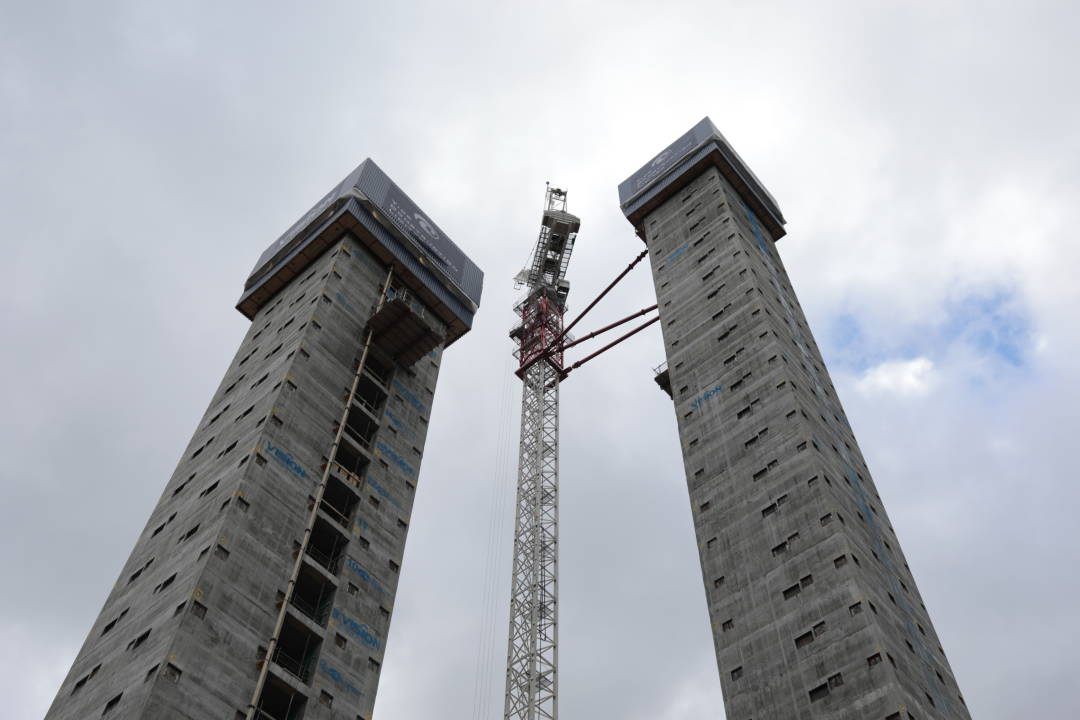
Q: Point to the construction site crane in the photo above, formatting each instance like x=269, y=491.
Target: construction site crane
x=533, y=648
x=532, y=656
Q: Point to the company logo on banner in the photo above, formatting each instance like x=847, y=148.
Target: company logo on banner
x=419, y=228
x=663, y=162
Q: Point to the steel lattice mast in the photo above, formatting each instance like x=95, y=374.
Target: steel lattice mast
x=533, y=646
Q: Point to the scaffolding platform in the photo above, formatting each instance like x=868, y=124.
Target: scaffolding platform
x=405, y=329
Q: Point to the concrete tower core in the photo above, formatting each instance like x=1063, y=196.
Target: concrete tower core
x=263, y=585
x=815, y=613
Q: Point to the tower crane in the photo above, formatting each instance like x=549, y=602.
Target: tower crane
x=533, y=646
x=532, y=656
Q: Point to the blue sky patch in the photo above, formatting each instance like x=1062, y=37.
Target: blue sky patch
x=992, y=323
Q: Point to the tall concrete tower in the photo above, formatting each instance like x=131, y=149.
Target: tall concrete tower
x=263, y=585
x=814, y=610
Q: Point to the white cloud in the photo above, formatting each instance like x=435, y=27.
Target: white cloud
x=905, y=378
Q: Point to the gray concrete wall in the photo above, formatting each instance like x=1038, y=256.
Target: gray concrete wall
x=814, y=610
x=223, y=535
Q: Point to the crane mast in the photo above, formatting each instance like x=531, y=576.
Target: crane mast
x=533, y=646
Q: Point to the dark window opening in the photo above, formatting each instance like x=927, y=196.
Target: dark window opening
x=351, y=461
x=297, y=649
x=378, y=369
x=339, y=501
x=360, y=428
x=313, y=595
x=279, y=702
x=112, y=623
x=369, y=395
x=188, y=534
x=139, y=640
x=180, y=488
x=220, y=413
x=111, y=705
x=199, y=451
x=326, y=546
x=85, y=678
x=165, y=583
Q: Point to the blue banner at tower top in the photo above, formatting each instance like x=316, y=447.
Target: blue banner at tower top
x=393, y=209
x=702, y=143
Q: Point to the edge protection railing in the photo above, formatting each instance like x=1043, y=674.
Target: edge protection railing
x=297, y=667
x=328, y=561
x=319, y=612
x=338, y=516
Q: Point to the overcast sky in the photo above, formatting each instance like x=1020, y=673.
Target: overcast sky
x=924, y=153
